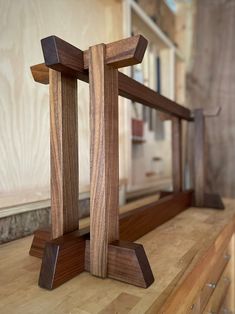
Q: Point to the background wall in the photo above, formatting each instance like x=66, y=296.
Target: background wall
x=211, y=82
x=24, y=104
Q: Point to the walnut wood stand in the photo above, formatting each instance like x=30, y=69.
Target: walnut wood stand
x=106, y=249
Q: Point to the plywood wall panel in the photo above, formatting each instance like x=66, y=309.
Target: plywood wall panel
x=24, y=105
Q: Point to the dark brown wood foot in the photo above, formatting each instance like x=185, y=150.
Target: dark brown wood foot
x=68, y=256
x=127, y=262
x=41, y=236
x=212, y=201
x=63, y=259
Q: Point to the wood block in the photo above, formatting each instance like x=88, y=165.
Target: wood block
x=211, y=200
x=64, y=153
x=63, y=57
x=40, y=73
x=40, y=238
x=68, y=256
x=121, y=53
x=63, y=259
x=127, y=262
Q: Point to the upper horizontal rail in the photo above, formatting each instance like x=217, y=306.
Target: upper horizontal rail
x=131, y=89
x=128, y=88
x=57, y=54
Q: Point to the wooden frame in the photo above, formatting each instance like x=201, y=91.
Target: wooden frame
x=66, y=251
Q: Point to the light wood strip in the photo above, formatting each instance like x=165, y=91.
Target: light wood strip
x=104, y=158
x=64, y=153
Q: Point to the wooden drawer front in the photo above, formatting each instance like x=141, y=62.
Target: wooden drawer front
x=213, y=279
x=217, y=299
x=211, y=283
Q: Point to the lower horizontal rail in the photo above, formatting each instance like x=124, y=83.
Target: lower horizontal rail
x=137, y=222
x=133, y=224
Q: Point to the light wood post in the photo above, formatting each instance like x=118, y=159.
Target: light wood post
x=199, y=157
x=104, y=158
x=64, y=153
x=176, y=154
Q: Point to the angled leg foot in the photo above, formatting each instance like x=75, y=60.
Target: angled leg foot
x=212, y=200
x=127, y=262
x=63, y=259
x=68, y=256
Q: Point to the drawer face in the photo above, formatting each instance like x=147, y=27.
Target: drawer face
x=213, y=279
x=211, y=283
x=217, y=299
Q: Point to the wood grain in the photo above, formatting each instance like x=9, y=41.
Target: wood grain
x=24, y=118
x=128, y=87
x=104, y=158
x=64, y=153
x=40, y=73
x=213, y=279
x=63, y=259
x=199, y=157
x=196, y=276
x=179, y=275
x=127, y=262
x=216, y=301
x=176, y=154
x=122, y=304
x=210, y=83
x=69, y=255
x=138, y=92
x=124, y=52
x=40, y=238
x=43, y=235
x=138, y=221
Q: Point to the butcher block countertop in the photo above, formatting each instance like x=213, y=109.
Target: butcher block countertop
x=181, y=252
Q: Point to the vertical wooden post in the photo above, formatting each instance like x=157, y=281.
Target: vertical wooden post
x=64, y=153
x=199, y=157
x=176, y=154
x=104, y=217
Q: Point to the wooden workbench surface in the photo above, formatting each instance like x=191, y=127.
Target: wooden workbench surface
x=174, y=250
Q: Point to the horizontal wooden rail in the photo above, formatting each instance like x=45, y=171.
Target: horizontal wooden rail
x=57, y=54
x=133, y=90
x=134, y=223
